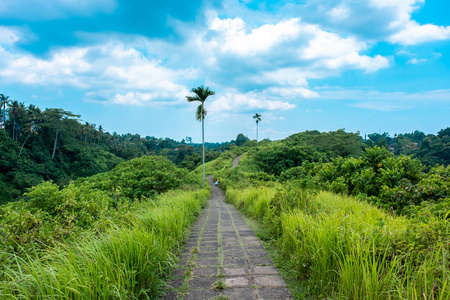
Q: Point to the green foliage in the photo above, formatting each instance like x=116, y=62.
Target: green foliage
x=340, y=247
x=143, y=176
x=129, y=260
x=333, y=143
x=392, y=182
x=278, y=158
x=241, y=140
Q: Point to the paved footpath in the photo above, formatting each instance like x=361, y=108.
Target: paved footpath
x=223, y=259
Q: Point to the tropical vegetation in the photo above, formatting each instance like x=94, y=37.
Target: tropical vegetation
x=91, y=215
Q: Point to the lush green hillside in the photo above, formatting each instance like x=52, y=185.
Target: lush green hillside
x=391, y=241
x=52, y=144
x=112, y=235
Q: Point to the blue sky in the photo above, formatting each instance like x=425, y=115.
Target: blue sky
x=367, y=66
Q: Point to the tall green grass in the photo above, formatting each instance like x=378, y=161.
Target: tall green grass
x=128, y=262
x=347, y=249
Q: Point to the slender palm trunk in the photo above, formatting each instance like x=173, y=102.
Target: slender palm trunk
x=203, y=142
x=14, y=129
x=20, y=152
x=256, y=132
x=1, y=117
x=56, y=141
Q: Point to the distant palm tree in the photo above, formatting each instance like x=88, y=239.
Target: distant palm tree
x=201, y=93
x=3, y=101
x=258, y=119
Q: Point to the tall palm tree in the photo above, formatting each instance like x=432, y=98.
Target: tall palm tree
x=258, y=119
x=201, y=93
x=3, y=101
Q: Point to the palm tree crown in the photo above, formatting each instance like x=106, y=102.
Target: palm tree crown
x=201, y=93
x=4, y=100
x=257, y=117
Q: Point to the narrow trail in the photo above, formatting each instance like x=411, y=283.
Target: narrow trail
x=236, y=161
x=223, y=257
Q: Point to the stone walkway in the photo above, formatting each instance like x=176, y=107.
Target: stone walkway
x=223, y=259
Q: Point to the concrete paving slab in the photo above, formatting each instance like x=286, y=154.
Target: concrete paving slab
x=209, y=254
x=234, y=282
x=261, y=261
x=205, y=271
x=178, y=272
x=202, y=294
x=257, y=253
x=240, y=294
x=202, y=282
x=234, y=254
x=269, y=281
x=264, y=270
x=230, y=272
x=207, y=262
x=172, y=295
x=231, y=247
x=272, y=294
x=177, y=283
x=239, y=261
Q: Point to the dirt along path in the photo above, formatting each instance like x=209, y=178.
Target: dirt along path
x=224, y=259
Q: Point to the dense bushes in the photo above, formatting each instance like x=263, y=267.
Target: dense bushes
x=110, y=235
x=278, y=158
x=129, y=260
x=144, y=176
x=47, y=214
x=393, y=182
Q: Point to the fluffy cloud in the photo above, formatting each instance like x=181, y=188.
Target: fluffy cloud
x=233, y=37
x=326, y=45
x=60, y=69
x=111, y=67
x=235, y=101
x=163, y=97
x=414, y=34
x=355, y=61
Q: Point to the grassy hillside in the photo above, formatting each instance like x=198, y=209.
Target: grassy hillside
x=389, y=242
x=113, y=235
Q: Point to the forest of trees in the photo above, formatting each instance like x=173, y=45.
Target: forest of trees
x=53, y=144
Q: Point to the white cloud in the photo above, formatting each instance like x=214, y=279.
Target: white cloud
x=414, y=34
x=291, y=92
x=235, y=101
x=233, y=37
x=335, y=52
x=60, y=69
x=415, y=61
x=8, y=35
x=112, y=67
x=326, y=44
x=340, y=12
x=355, y=61
x=286, y=76
x=155, y=98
